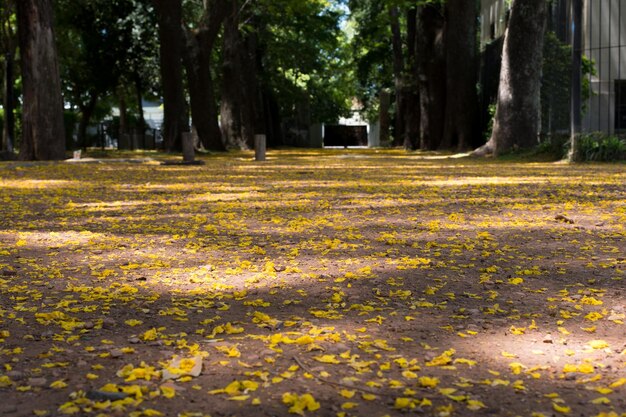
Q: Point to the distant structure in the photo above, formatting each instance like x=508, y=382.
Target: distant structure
x=604, y=43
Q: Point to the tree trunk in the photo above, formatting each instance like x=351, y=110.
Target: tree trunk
x=271, y=114
x=197, y=53
x=201, y=93
x=461, y=66
x=399, y=76
x=43, y=132
x=412, y=98
x=517, y=118
x=383, y=116
x=8, y=104
x=231, y=97
x=139, y=96
x=254, y=98
x=432, y=75
x=86, y=111
x=123, y=128
x=250, y=102
x=175, y=113
x=140, y=130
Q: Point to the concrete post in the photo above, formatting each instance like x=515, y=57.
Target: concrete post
x=259, y=147
x=188, y=150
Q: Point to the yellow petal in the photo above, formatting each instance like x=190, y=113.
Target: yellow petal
x=239, y=398
x=347, y=393
x=598, y=344
x=327, y=359
x=563, y=409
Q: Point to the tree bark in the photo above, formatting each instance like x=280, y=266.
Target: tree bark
x=249, y=79
x=8, y=43
x=383, y=116
x=517, y=118
x=231, y=102
x=123, y=128
x=175, y=112
x=412, y=98
x=201, y=91
x=139, y=95
x=198, y=49
x=399, y=76
x=86, y=112
x=43, y=132
x=432, y=75
x=461, y=67
x=8, y=104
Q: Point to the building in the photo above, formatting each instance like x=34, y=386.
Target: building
x=604, y=44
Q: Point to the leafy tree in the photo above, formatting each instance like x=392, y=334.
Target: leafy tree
x=432, y=45
x=43, y=133
x=315, y=77
x=264, y=84
x=371, y=46
x=106, y=44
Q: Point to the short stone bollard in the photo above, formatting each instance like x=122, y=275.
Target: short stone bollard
x=259, y=147
x=188, y=149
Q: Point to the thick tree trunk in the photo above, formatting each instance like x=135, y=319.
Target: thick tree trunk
x=432, y=75
x=271, y=114
x=8, y=104
x=461, y=66
x=517, y=118
x=201, y=90
x=412, y=98
x=43, y=132
x=399, y=76
x=231, y=87
x=254, y=98
x=197, y=54
x=175, y=117
x=250, y=102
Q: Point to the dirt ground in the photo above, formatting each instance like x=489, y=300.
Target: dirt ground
x=319, y=283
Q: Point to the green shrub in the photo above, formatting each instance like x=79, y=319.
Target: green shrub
x=553, y=146
x=598, y=147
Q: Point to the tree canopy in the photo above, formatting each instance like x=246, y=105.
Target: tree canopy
x=229, y=69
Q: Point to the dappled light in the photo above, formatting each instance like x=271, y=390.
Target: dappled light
x=327, y=282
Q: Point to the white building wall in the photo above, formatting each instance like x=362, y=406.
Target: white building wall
x=604, y=42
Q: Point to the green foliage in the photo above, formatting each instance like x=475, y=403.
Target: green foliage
x=372, y=50
x=492, y=114
x=553, y=147
x=305, y=56
x=556, y=84
x=103, y=43
x=592, y=147
x=598, y=147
